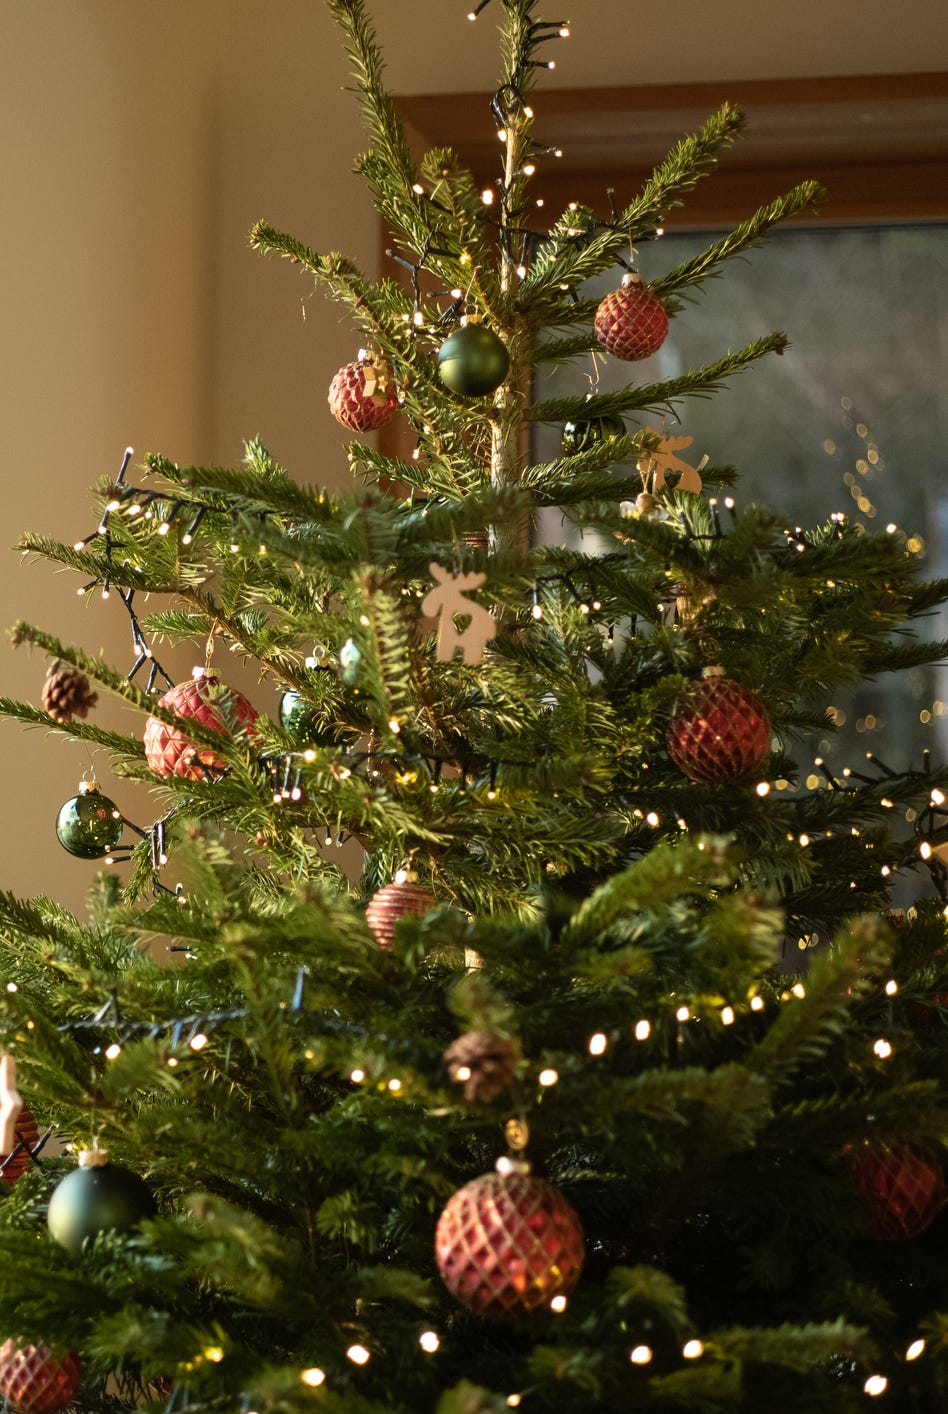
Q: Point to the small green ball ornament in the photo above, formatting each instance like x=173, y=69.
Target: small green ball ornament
x=298, y=717
x=98, y=1196
x=89, y=825
x=582, y=435
x=473, y=361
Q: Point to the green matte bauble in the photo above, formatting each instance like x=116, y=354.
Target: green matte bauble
x=581, y=435
x=89, y=825
x=473, y=361
x=298, y=717
x=97, y=1198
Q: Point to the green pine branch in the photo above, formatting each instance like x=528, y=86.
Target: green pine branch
x=656, y=397
x=381, y=117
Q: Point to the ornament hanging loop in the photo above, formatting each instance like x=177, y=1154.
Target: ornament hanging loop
x=209, y=647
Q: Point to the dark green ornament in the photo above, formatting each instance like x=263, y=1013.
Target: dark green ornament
x=299, y=718
x=89, y=825
x=97, y=1197
x=582, y=434
x=473, y=361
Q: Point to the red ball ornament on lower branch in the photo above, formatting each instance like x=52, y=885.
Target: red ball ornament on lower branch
x=207, y=701
x=26, y=1137
x=901, y=1187
x=35, y=1381
x=508, y=1243
x=362, y=395
x=631, y=322
x=719, y=731
x=403, y=897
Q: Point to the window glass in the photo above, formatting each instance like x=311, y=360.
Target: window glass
x=852, y=418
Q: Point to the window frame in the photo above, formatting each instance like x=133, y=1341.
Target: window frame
x=877, y=143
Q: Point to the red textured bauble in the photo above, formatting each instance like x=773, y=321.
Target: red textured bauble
x=902, y=1187
x=204, y=699
x=631, y=322
x=27, y=1131
x=35, y=1381
x=362, y=395
x=394, y=901
x=719, y=732
x=507, y=1243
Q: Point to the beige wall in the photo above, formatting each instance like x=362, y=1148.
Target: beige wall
x=139, y=143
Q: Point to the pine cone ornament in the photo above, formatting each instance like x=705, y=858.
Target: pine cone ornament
x=394, y=901
x=719, y=731
x=67, y=692
x=901, y=1186
x=507, y=1243
x=484, y=1063
x=35, y=1381
x=27, y=1132
x=362, y=395
x=631, y=322
x=203, y=699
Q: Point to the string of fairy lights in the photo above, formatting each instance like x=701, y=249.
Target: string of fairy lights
x=191, y=1034
x=286, y=769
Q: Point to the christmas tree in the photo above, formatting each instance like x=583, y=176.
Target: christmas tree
x=616, y=1081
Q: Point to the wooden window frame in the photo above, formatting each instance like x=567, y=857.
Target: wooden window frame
x=878, y=144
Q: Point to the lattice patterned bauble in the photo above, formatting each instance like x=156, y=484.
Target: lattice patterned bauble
x=27, y=1132
x=203, y=699
x=35, y=1381
x=396, y=900
x=507, y=1243
x=631, y=322
x=67, y=693
x=719, y=731
x=362, y=395
x=902, y=1187
x=483, y=1063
